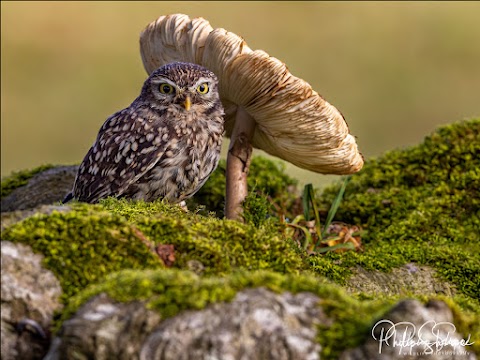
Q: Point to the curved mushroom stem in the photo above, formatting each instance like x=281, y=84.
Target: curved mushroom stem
x=238, y=163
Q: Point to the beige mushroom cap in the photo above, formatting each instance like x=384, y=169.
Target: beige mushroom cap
x=173, y=38
x=293, y=122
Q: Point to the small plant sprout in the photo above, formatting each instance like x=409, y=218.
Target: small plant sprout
x=333, y=236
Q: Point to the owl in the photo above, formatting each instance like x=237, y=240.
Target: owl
x=164, y=145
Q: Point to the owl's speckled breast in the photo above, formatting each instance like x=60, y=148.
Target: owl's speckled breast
x=191, y=156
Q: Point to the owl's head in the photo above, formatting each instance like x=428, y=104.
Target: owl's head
x=183, y=85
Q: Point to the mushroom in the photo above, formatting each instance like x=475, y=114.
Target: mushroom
x=266, y=106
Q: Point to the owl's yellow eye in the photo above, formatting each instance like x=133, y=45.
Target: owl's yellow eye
x=202, y=88
x=166, y=88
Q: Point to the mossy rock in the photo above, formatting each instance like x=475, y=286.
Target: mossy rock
x=46, y=184
x=169, y=292
x=419, y=205
x=82, y=245
x=20, y=178
x=90, y=241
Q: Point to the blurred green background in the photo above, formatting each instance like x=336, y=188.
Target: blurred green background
x=396, y=70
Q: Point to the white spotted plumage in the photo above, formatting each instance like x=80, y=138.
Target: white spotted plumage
x=157, y=147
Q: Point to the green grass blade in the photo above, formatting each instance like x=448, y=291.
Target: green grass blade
x=306, y=198
x=334, y=207
x=309, y=203
x=318, y=226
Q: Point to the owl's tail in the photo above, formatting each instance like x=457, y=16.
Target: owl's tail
x=67, y=198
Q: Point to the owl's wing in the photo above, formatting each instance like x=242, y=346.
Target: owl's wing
x=128, y=145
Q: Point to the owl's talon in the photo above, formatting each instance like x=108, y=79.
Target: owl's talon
x=183, y=206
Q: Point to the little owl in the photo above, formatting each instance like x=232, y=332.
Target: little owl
x=164, y=145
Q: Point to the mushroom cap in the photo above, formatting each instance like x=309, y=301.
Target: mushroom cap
x=173, y=38
x=293, y=122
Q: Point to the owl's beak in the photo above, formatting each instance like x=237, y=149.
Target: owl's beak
x=187, y=103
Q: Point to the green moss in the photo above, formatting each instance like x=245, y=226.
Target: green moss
x=134, y=211
x=466, y=317
x=353, y=321
x=219, y=245
x=83, y=245
x=222, y=246
x=418, y=205
x=256, y=209
x=20, y=178
x=266, y=176
x=269, y=177
x=90, y=241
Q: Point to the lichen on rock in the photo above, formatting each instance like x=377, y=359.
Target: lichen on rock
x=30, y=295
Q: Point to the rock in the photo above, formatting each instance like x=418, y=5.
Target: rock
x=104, y=329
x=408, y=279
x=411, y=330
x=30, y=295
x=257, y=324
x=47, y=187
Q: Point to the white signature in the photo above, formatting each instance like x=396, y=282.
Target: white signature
x=432, y=336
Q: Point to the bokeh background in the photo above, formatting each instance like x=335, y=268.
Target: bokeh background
x=396, y=70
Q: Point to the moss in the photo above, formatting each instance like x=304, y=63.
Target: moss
x=219, y=245
x=256, y=209
x=90, y=241
x=222, y=246
x=171, y=291
x=353, y=320
x=133, y=211
x=20, y=178
x=466, y=317
x=83, y=245
x=266, y=176
x=420, y=205
x=269, y=177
